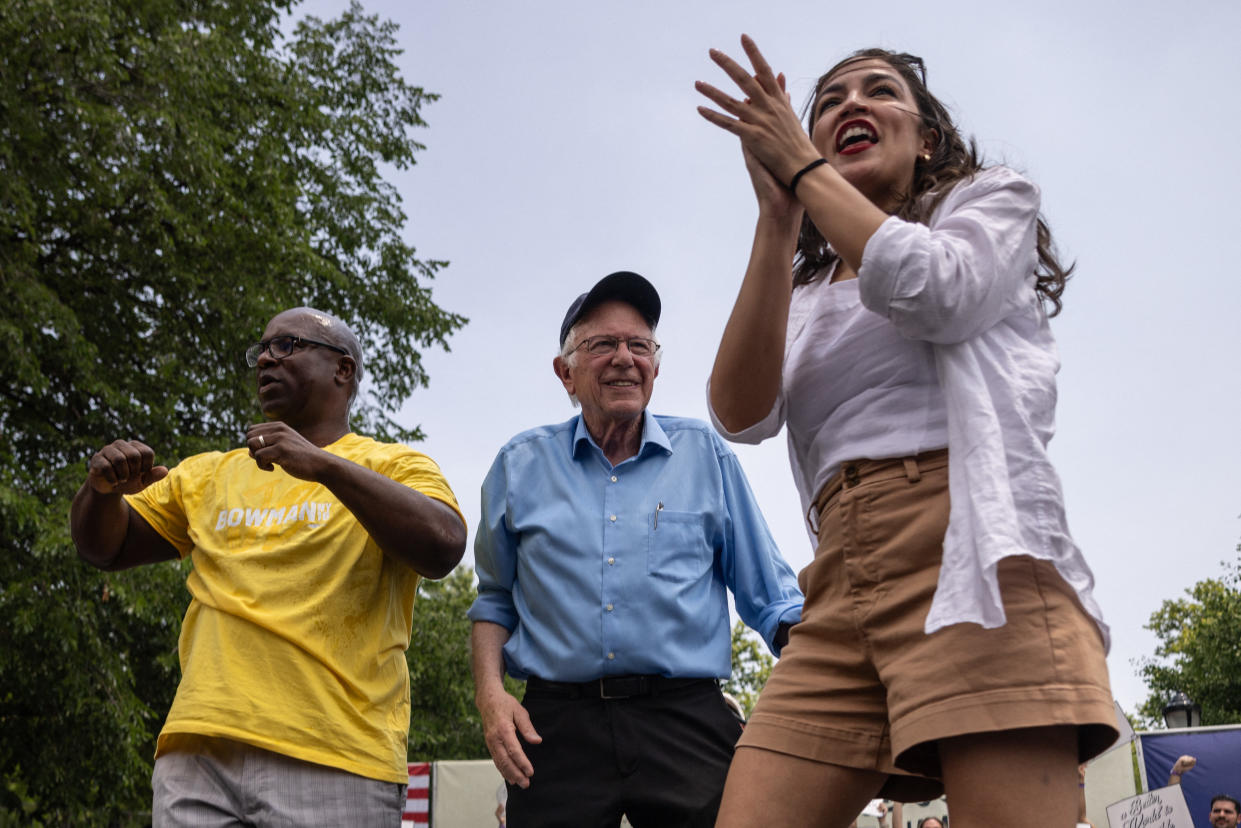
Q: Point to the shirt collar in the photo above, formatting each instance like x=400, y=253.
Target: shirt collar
x=653, y=436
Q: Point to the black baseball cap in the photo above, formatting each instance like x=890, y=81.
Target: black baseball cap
x=622, y=286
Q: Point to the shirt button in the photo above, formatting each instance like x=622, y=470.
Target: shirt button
x=611, y=656
x=609, y=607
x=611, y=561
x=613, y=478
x=612, y=518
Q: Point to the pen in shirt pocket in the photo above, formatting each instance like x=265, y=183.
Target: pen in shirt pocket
x=658, y=509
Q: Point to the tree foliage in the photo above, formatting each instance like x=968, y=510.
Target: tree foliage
x=172, y=173
x=443, y=722
x=1199, y=650
x=751, y=663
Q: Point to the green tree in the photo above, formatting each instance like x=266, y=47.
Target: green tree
x=751, y=663
x=172, y=173
x=444, y=723
x=1199, y=650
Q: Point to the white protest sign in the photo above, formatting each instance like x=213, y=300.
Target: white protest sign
x=872, y=808
x=1122, y=724
x=1160, y=808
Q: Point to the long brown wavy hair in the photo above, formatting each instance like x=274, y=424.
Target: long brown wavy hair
x=952, y=160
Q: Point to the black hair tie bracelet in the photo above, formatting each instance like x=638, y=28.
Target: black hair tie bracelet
x=797, y=176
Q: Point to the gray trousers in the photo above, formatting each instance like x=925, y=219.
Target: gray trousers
x=230, y=784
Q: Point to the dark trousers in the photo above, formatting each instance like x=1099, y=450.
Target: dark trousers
x=658, y=759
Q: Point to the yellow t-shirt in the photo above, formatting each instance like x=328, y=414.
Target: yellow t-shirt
x=295, y=636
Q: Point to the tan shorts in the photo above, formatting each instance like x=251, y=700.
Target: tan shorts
x=860, y=684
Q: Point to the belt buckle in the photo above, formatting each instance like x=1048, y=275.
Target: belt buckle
x=630, y=680
x=603, y=690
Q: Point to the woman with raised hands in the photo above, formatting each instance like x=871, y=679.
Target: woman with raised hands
x=893, y=316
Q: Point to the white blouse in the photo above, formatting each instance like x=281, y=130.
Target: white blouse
x=960, y=293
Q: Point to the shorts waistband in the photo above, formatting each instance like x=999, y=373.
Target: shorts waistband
x=611, y=687
x=855, y=472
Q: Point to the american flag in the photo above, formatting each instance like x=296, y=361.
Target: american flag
x=418, y=796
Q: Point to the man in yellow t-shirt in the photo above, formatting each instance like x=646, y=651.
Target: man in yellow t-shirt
x=307, y=547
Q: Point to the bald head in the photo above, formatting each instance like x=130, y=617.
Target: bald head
x=332, y=330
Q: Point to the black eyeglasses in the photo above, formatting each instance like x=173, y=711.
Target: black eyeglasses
x=281, y=346
x=639, y=346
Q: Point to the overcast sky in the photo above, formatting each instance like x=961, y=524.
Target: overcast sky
x=566, y=145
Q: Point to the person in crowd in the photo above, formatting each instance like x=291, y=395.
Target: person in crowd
x=1182, y=766
x=1224, y=811
x=1082, y=820
x=894, y=319
x=307, y=543
x=605, y=551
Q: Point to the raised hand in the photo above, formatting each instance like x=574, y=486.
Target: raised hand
x=107, y=533
x=123, y=467
x=764, y=119
x=274, y=444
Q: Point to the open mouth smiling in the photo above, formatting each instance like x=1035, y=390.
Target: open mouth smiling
x=855, y=136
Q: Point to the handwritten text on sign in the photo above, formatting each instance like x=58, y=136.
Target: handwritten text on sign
x=1161, y=808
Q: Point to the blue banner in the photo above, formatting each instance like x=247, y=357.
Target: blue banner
x=1218, y=770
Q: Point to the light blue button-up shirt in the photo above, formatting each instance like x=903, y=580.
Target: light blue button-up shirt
x=602, y=570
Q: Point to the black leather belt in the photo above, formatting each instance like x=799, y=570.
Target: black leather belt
x=611, y=687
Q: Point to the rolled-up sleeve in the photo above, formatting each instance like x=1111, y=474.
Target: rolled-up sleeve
x=764, y=586
x=970, y=268
x=769, y=426
x=495, y=553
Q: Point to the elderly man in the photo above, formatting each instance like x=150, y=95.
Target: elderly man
x=604, y=553
x=307, y=544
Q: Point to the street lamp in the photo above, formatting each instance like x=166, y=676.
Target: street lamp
x=1181, y=711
